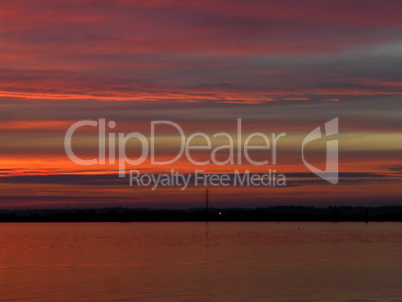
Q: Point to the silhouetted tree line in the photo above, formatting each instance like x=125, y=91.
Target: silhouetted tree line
x=278, y=213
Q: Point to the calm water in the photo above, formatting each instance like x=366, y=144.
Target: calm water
x=200, y=262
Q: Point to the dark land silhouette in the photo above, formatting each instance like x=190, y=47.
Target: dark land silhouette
x=275, y=213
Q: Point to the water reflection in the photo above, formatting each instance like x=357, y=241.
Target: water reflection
x=201, y=261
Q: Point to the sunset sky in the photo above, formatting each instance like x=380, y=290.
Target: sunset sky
x=280, y=66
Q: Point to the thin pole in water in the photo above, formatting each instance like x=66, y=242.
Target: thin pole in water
x=206, y=203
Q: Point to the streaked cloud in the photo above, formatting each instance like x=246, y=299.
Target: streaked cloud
x=280, y=65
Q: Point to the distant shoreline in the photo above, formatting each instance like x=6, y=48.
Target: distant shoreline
x=275, y=214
